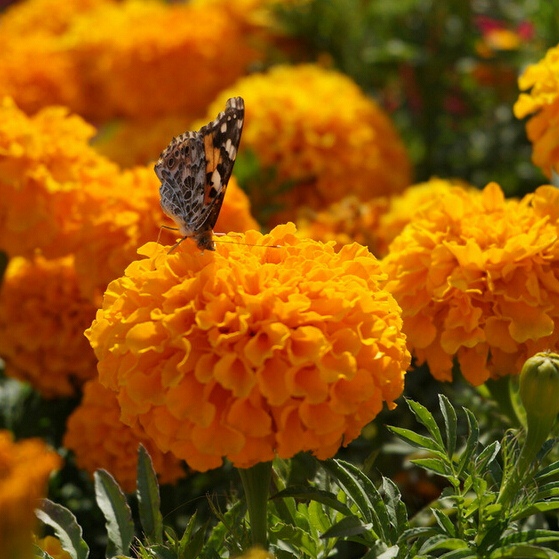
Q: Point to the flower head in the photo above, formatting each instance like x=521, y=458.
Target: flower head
x=42, y=319
x=476, y=276
x=47, y=171
x=107, y=59
x=24, y=470
x=251, y=350
x=100, y=440
x=543, y=103
x=318, y=131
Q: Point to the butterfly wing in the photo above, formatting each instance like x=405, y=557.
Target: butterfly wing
x=221, y=143
x=182, y=173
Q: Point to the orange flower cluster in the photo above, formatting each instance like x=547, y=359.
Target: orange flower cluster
x=99, y=439
x=543, y=103
x=104, y=58
x=42, y=319
x=24, y=470
x=347, y=221
x=319, y=133
x=477, y=278
x=47, y=170
x=375, y=222
x=273, y=347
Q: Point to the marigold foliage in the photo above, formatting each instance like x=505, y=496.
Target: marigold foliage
x=42, y=319
x=543, y=103
x=250, y=351
x=477, y=278
x=321, y=134
x=99, y=439
x=108, y=59
x=24, y=470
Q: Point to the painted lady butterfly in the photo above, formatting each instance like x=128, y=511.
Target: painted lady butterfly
x=194, y=170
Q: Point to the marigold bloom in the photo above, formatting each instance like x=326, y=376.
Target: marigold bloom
x=46, y=172
x=42, y=319
x=24, y=470
x=99, y=439
x=249, y=351
x=318, y=131
x=347, y=221
x=122, y=59
x=542, y=102
x=375, y=222
x=477, y=278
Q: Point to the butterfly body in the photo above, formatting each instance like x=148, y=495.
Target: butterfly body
x=194, y=170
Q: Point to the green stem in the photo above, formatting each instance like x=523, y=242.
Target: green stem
x=256, y=483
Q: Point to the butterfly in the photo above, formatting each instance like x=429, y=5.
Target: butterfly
x=194, y=170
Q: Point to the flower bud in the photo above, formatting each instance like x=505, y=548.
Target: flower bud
x=539, y=388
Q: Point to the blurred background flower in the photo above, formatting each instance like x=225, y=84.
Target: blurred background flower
x=98, y=439
x=25, y=467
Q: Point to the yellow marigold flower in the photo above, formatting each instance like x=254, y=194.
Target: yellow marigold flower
x=347, y=221
x=24, y=470
x=122, y=59
x=319, y=131
x=404, y=206
x=99, y=439
x=53, y=547
x=42, y=319
x=375, y=222
x=476, y=276
x=542, y=102
x=46, y=169
x=250, y=351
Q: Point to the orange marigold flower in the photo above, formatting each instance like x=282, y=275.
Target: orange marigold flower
x=99, y=439
x=42, y=319
x=315, y=128
x=24, y=470
x=477, y=278
x=347, y=221
x=46, y=169
x=123, y=59
x=250, y=351
x=542, y=102
x=375, y=222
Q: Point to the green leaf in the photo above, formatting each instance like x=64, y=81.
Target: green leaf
x=66, y=528
x=118, y=517
x=549, y=471
x=486, y=456
x=450, y=423
x=347, y=527
x=524, y=550
x=149, y=501
x=435, y=465
x=418, y=441
x=305, y=493
x=425, y=417
x=548, y=490
x=444, y=522
x=396, y=509
x=349, y=478
x=471, y=442
x=440, y=542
